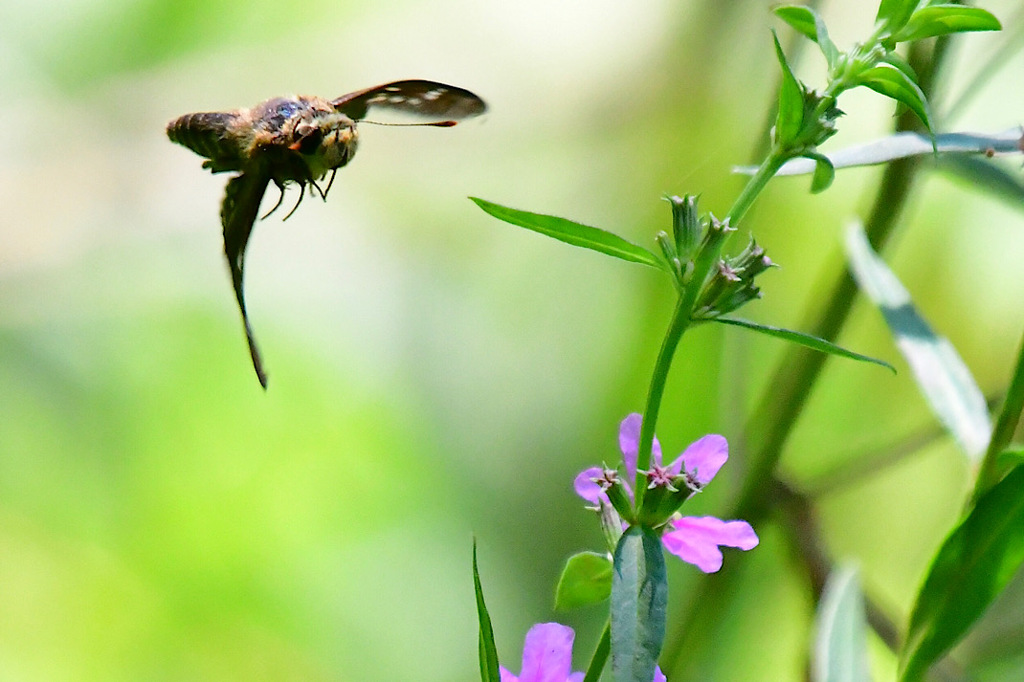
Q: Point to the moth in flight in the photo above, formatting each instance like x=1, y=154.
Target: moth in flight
x=299, y=140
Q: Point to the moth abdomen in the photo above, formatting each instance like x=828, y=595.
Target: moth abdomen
x=208, y=134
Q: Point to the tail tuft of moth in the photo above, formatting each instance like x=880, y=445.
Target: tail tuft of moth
x=209, y=135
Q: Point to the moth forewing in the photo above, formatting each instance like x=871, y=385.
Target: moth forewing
x=419, y=99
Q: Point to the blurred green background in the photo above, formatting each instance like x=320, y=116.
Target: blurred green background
x=434, y=374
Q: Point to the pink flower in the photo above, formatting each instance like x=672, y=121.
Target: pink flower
x=547, y=656
x=695, y=540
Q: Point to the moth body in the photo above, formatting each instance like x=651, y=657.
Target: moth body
x=298, y=139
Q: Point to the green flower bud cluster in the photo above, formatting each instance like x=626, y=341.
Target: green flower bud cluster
x=730, y=283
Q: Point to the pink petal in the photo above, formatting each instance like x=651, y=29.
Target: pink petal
x=706, y=456
x=629, y=444
x=658, y=675
x=586, y=488
x=707, y=557
x=506, y=676
x=547, y=653
x=696, y=539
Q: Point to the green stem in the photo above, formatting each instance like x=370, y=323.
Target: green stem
x=765, y=172
x=771, y=425
x=680, y=321
x=600, y=657
x=799, y=370
x=990, y=472
x=706, y=262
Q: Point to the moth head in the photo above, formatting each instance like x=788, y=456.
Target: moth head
x=327, y=140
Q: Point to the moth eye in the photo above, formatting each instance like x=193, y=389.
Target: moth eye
x=310, y=142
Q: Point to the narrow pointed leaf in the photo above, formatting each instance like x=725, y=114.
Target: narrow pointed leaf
x=488, y=652
x=890, y=81
x=906, y=144
x=828, y=48
x=638, y=605
x=586, y=580
x=791, y=101
x=897, y=60
x=893, y=14
x=812, y=342
x=799, y=17
x=944, y=380
x=969, y=571
x=987, y=176
x=938, y=20
x=840, y=641
x=573, y=233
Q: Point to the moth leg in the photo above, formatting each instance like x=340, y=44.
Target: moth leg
x=280, y=198
x=323, y=195
x=329, y=183
x=302, y=193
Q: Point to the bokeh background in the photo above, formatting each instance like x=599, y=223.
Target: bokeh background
x=434, y=374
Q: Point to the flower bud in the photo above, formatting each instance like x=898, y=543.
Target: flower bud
x=620, y=499
x=686, y=225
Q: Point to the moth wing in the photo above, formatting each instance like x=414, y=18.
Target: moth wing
x=237, y=215
x=424, y=100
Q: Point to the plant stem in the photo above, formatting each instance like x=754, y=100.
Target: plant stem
x=799, y=369
x=600, y=657
x=765, y=172
x=706, y=262
x=990, y=472
x=680, y=321
x=771, y=425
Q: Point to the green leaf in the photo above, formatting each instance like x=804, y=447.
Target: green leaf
x=953, y=146
x=969, y=571
x=586, y=580
x=840, y=641
x=893, y=14
x=890, y=81
x=896, y=59
x=488, y=652
x=639, y=600
x=812, y=342
x=799, y=17
x=987, y=176
x=824, y=173
x=574, y=233
x=791, y=101
x=828, y=48
x=1008, y=459
x=945, y=381
x=939, y=20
